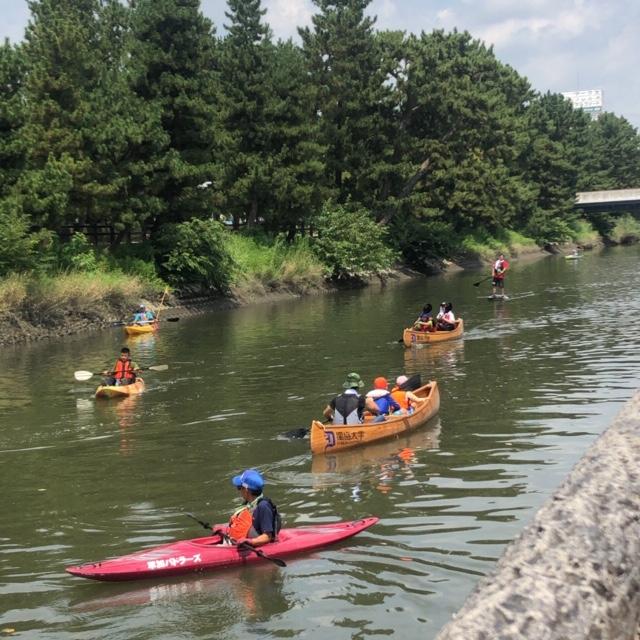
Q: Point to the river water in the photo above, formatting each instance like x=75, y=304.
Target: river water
x=531, y=385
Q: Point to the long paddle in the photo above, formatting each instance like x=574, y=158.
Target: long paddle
x=81, y=376
x=477, y=284
x=164, y=294
x=242, y=545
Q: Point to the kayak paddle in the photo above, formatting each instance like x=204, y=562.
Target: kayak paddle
x=242, y=545
x=81, y=376
x=278, y=561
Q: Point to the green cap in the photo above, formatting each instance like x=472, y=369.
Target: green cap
x=354, y=381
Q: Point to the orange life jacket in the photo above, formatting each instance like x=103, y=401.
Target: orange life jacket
x=240, y=523
x=400, y=397
x=123, y=369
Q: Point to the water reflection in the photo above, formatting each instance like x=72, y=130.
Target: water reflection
x=427, y=359
x=122, y=412
x=382, y=464
x=242, y=591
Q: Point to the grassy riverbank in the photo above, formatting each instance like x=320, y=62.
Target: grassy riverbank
x=103, y=288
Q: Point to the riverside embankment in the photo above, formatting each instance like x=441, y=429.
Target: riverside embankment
x=574, y=572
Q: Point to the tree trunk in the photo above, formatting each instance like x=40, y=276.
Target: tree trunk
x=253, y=213
x=409, y=186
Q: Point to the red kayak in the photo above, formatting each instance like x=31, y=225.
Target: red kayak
x=205, y=554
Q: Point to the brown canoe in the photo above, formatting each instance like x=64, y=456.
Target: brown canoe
x=412, y=338
x=327, y=438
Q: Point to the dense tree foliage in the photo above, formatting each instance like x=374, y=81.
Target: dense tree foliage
x=139, y=118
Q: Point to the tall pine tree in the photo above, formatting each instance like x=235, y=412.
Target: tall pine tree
x=174, y=63
x=247, y=65
x=352, y=93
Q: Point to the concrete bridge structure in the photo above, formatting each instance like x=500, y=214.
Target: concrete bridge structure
x=616, y=200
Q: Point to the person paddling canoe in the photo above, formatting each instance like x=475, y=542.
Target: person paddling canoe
x=500, y=267
x=257, y=521
x=405, y=398
x=349, y=406
x=123, y=371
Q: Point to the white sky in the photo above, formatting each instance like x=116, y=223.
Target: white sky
x=559, y=45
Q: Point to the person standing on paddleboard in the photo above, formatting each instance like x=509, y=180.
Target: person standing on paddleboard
x=500, y=266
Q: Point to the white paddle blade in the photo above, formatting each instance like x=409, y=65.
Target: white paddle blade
x=82, y=375
x=159, y=367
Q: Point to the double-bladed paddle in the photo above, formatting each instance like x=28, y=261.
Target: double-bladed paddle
x=81, y=376
x=242, y=545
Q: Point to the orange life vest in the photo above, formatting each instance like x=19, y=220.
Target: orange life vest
x=123, y=369
x=400, y=397
x=240, y=523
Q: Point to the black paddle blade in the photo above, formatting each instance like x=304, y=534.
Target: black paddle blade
x=277, y=561
x=300, y=433
x=413, y=383
x=262, y=554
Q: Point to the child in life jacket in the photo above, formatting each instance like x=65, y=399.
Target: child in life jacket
x=257, y=521
x=124, y=370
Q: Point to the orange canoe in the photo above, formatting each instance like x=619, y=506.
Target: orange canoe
x=120, y=391
x=327, y=438
x=412, y=338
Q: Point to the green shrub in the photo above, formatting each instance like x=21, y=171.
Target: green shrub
x=77, y=254
x=350, y=244
x=583, y=232
x=273, y=261
x=424, y=243
x=18, y=247
x=626, y=229
x=194, y=253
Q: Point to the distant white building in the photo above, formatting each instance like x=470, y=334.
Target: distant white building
x=589, y=101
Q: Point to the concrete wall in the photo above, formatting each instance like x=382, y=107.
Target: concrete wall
x=574, y=572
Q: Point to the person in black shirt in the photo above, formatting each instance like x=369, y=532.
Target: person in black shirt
x=349, y=406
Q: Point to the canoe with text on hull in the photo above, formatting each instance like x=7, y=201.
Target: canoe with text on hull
x=138, y=329
x=120, y=391
x=328, y=438
x=206, y=554
x=413, y=338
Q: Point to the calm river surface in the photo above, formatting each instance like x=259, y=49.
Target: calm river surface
x=532, y=384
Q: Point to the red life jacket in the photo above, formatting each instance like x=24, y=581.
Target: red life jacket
x=123, y=369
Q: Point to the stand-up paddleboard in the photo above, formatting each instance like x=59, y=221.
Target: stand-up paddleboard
x=503, y=298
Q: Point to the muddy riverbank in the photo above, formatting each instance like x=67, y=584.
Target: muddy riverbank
x=20, y=326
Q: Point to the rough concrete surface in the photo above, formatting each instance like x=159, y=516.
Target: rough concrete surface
x=574, y=572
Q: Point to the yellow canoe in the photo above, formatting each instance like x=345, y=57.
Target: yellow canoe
x=328, y=438
x=120, y=391
x=137, y=329
x=412, y=338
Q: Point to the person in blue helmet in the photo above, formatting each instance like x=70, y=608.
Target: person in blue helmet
x=257, y=521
